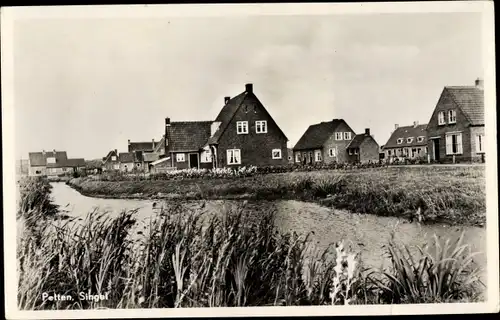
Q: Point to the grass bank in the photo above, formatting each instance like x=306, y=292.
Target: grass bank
x=453, y=195
x=185, y=258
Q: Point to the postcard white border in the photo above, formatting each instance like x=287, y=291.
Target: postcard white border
x=8, y=15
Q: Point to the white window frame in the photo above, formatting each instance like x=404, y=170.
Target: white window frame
x=420, y=139
x=261, y=126
x=350, y=152
x=452, y=116
x=116, y=166
x=356, y=151
x=347, y=136
x=400, y=140
x=409, y=140
x=113, y=158
x=180, y=157
x=234, y=154
x=449, y=143
x=206, y=156
x=332, y=152
x=51, y=160
x=318, y=157
x=441, y=118
x=297, y=157
x=339, y=136
x=276, y=157
x=480, y=143
x=242, y=127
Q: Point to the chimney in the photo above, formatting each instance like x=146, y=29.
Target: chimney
x=167, y=124
x=43, y=152
x=153, y=143
x=415, y=124
x=367, y=131
x=479, y=83
x=249, y=88
x=396, y=126
x=226, y=100
x=128, y=141
x=54, y=152
x=116, y=151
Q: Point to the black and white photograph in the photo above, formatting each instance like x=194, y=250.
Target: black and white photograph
x=252, y=159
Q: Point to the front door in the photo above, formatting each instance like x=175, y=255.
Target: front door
x=193, y=160
x=436, y=149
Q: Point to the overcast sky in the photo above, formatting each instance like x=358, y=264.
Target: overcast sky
x=88, y=85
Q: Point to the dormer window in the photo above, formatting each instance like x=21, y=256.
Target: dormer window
x=347, y=136
x=400, y=140
x=452, y=116
x=113, y=158
x=338, y=135
x=420, y=139
x=51, y=160
x=409, y=140
x=241, y=127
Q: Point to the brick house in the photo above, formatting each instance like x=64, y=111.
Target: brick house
x=243, y=134
x=111, y=162
x=53, y=163
x=363, y=148
x=407, y=142
x=456, y=128
x=324, y=142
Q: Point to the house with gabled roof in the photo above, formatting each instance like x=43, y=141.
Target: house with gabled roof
x=127, y=161
x=456, y=128
x=53, y=163
x=407, y=142
x=324, y=142
x=363, y=148
x=243, y=134
x=111, y=162
x=141, y=146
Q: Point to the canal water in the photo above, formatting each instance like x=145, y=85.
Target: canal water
x=365, y=233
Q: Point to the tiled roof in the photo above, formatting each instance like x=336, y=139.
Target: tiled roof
x=151, y=156
x=40, y=158
x=470, y=100
x=188, y=135
x=317, y=134
x=140, y=146
x=77, y=162
x=407, y=132
x=357, y=140
x=126, y=157
x=159, y=145
x=94, y=164
x=225, y=116
x=110, y=154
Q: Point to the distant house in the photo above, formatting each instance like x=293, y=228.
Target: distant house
x=456, y=128
x=111, y=162
x=141, y=146
x=407, y=142
x=127, y=161
x=325, y=142
x=53, y=163
x=363, y=148
x=243, y=134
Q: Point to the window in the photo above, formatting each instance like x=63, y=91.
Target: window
x=261, y=126
x=332, y=152
x=347, y=136
x=241, y=127
x=388, y=152
x=454, y=143
x=51, y=160
x=355, y=151
x=441, y=118
x=480, y=143
x=317, y=155
x=297, y=157
x=206, y=156
x=338, y=135
x=350, y=152
x=400, y=140
x=452, y=116
x=420, y=139
x=413, y=152
x=113, y=158
x=180, y=157
x=290, y=158
x=116, y=166
x=409, y=140
x=233, y=156
x=138, y=164
x=276, y=153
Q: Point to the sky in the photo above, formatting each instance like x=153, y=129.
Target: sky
x=86, y=86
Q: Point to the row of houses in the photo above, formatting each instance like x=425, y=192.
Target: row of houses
x=244, y=133
x=53, y=163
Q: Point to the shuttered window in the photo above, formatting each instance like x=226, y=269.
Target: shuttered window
x=454, y=143
x=480, y=143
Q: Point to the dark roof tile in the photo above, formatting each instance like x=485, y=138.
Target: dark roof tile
x=317, y=134
x=188, y=135
x=470, y=100
x=126, y=157
x=40, y=158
